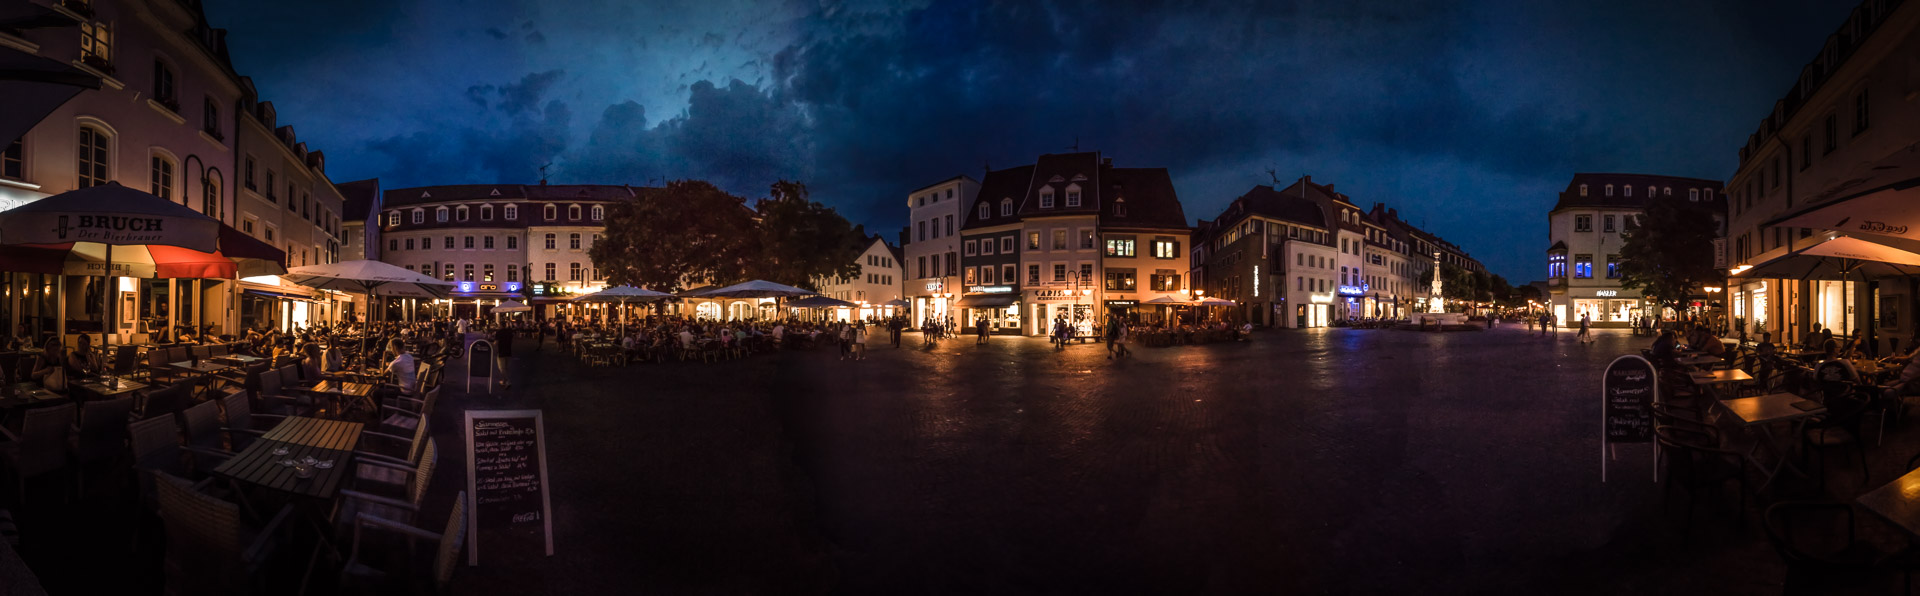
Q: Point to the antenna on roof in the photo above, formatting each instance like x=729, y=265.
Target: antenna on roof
x=543, y=174
x=1274, y=176
x=1076, y=144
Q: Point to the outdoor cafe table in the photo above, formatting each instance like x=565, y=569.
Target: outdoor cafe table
x=18, y=397
x=99, y=387
x=1762, y=412
x=344, y=391
x=1701, y=360
x=299, y=436
x=238, y=359
x=1898, y=502
x=1711, y=379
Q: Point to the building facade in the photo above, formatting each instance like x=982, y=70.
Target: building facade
x=174, y=118
x=1586, y=229
x=1307, y=256
x=1082, y=239
x=931, y=243
x=878, y=282
x=498, y=241
x=1851, y=111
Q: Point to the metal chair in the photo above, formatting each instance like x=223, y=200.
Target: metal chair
x=1697, y=460
x=386, y=490
x=239, y=421
x=1816, y=562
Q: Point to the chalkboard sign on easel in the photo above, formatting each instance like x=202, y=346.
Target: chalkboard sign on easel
x=480, y=364
x=1628, y=391
x=507, y=476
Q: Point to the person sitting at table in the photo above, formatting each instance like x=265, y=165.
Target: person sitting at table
x=1710, y=344
x=82, y=361
x=54, y=358
x=333, y=359
x=1766, y=348
x=405, y=370
x=1812, y=339
x=1908, y=383
x=1664, y=346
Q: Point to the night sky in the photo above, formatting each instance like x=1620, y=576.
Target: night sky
x=1467, y=117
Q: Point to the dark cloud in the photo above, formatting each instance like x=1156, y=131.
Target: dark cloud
x=525, y=94
x=1458, y=113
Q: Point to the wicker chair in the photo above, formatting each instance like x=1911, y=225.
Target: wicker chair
x=167, y=400
x=240, y=421
x=156, y=448
x=210, y=550
x=41, y=446
x=1696, y=460
x=1817, y=561
x=202, y=423
x=403, y=414
x=359, y=575
x=386, y=490
x=394, y=449
x=100, y=436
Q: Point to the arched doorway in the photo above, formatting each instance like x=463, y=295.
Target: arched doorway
x=707, y=310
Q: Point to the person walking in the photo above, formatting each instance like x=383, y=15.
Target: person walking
x=860, y=341
x=1586, y=322
x=1530, y=322
x=894, y=326
x=980, y=331
x=503, y=351
x=1112, y=334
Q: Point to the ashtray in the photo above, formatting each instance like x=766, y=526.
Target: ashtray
x=280, y=451
x=324, y=464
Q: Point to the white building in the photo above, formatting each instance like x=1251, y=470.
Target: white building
x=1585, y=231
x=879, y=281
x=1851, y=116
x=931, y=246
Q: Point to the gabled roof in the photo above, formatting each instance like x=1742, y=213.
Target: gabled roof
x=1558, y=246
x=1597, y=196
x=1148, y=197
x=358, y=198
x=1058, y=172
x=1265, y=201
x=1010, y=183
x=400, y=197
x=577, y=192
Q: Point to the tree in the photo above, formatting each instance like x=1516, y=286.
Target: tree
x=686, y=232
x=1668, y=252
x=801, y=240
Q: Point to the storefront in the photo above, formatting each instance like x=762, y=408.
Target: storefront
x=999, y=305
x=1046, y=306
x=1124, y=309
x=1604, y=307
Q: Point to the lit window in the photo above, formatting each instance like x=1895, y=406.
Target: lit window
x=96, y=46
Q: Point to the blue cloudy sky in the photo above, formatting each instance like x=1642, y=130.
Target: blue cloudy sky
x=1466, y=116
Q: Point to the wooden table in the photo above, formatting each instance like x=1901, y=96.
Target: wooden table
x=1761, y=412
x=238, y=359
x=205, y=368
x=300, y=436
x=1898, y=502
x=345, y=391
x=99, y=387
x=1701, y=360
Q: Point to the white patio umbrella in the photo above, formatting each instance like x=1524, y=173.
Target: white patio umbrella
x=372, y=278
x=756, y=289
x=512, y=306
x=1840, y=258
x=622, y=295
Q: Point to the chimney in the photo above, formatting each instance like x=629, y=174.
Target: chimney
x=1330, y=189
x=1106, y=161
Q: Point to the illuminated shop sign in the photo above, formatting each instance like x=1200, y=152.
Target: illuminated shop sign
x=1606, y=293
x=990, y=289
x=1353, y=290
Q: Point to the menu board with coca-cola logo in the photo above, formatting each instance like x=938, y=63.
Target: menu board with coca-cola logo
x=507, y=479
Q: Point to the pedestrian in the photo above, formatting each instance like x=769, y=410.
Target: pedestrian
x=1112, y=334
x=860, y=341
x=503, y=351
x=1530, y=322
x=1586, y=321
x=894, y=326
x=980, y=330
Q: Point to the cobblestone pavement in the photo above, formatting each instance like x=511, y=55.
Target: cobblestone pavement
x=1322, y=461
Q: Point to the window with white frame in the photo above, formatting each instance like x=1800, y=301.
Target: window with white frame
x=985, y=211
x=486, y=213
x=419, y=215
x=550, y=238
x=162, y=177
x=1046, y=198
x=439, y=215
x=969, y=248
x=1006, y=245
x=461, y=213
x=1006, y=207
x=13, y=161
x=513, y=243
x=551, y=211
x=573, y=212
x=511, y=211
x=96, y=45
x=599, y=212
x=95, y=147
x=1073, y=196
x=573, y=241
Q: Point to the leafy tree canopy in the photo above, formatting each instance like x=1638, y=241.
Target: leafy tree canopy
x=691, y=232
x=1668, y=252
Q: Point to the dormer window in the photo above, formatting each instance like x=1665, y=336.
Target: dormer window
x=511, y=211
x=461, y=213
x=440, y=215
x=1046, y=198
x=419, y=216
x=1006, y=207
x=552, y=212
x=1609, y=190
x=393, y=218
x=1119, y=207
x=1693, y=194
x=573, y=212
x=1583, y=190
x=599, y=212
x=486, y=213
x=985, y=211
x=1073, y=196
x=1666, y=191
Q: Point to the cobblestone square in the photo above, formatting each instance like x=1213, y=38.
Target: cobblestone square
x=1327, y=461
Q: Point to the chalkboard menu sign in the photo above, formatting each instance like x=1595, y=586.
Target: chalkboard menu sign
x=1628, y=391
x=480, y=363
x=507, y=476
